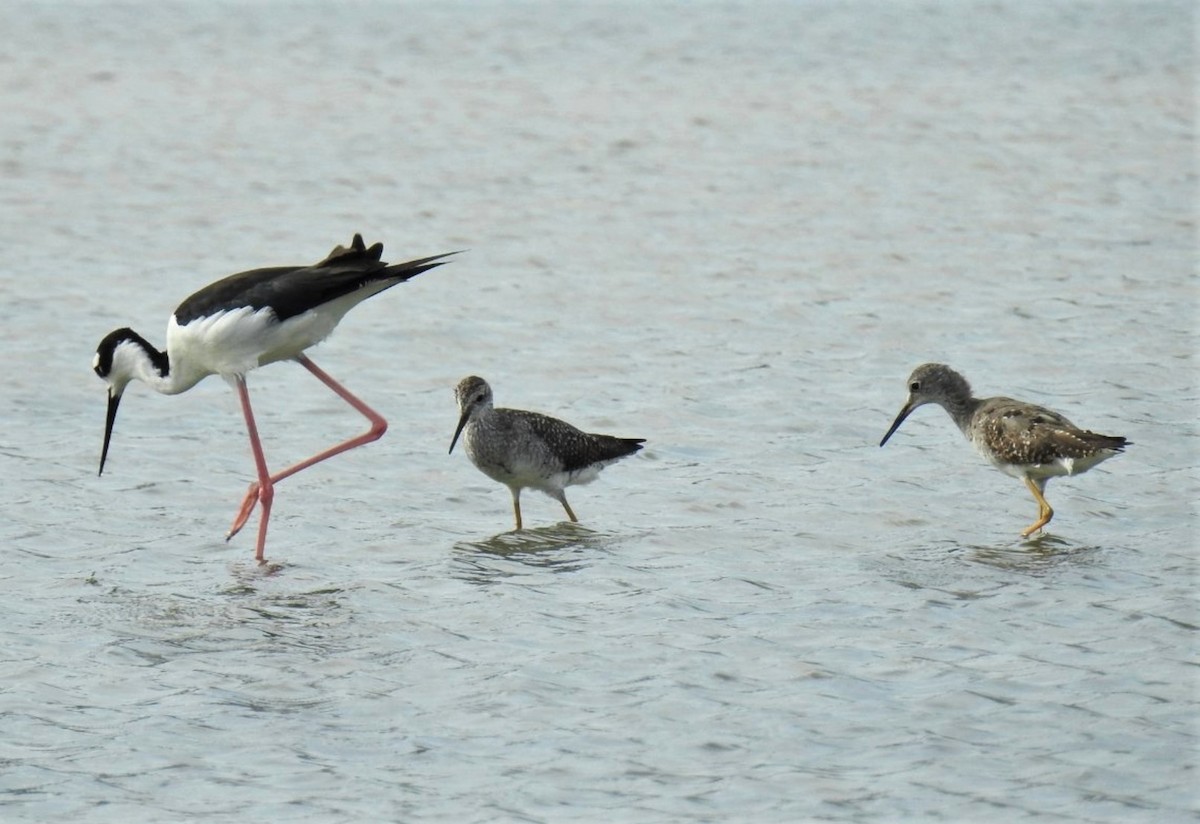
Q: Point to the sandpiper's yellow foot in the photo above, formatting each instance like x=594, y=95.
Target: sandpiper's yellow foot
x=1042, y=521
x=1045, y=513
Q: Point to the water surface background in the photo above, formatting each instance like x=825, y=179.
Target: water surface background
x=732, y=229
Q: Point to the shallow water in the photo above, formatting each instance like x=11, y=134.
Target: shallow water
x=729, y=231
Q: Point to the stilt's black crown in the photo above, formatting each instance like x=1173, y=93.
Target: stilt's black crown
x=105, y=352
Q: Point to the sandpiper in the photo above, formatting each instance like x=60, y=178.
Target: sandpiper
x=1020, y=439
x=527, y=449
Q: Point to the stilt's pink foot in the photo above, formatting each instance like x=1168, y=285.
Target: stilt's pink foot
x=247, y=508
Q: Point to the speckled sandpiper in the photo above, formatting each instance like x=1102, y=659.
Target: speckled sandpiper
x=527, y=449
x=1020, y=439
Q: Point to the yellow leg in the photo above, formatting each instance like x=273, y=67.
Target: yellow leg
x=516, y=493
x=1045, y=513
x=567, y=507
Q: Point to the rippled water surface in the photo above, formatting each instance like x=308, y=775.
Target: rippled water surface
x=731, y=229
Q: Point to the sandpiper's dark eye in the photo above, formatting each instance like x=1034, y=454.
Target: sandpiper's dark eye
x=914, y=386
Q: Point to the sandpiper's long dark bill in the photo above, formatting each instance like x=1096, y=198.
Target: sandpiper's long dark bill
x=905, y=411
x=248, y=320
x=528, y=449
x=1020, y=439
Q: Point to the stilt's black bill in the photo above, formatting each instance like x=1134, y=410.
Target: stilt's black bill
x=896, y=423
x=458, y=431
x=114, y=400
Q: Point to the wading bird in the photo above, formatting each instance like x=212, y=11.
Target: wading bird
x=1020, y=439
x=527, y=449
x=248, y=320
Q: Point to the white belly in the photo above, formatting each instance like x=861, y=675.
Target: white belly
x=236, y=341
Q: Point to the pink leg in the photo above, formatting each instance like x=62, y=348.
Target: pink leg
x=265, y=488
x=378, y=427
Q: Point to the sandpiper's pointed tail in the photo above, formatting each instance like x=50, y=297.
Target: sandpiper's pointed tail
x=610, y=448
x=1116, y=443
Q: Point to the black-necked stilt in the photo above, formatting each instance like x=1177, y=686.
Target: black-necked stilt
x=248, y=320
x=527, y=449
x=1020, y=439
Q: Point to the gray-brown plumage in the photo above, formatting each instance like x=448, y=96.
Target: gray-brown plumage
x=1020, y=439
x=527, y=449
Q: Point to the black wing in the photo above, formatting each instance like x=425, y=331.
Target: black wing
x=293, y=290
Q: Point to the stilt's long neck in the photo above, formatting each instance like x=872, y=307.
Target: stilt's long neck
x=147, y=364
x=125, y=355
